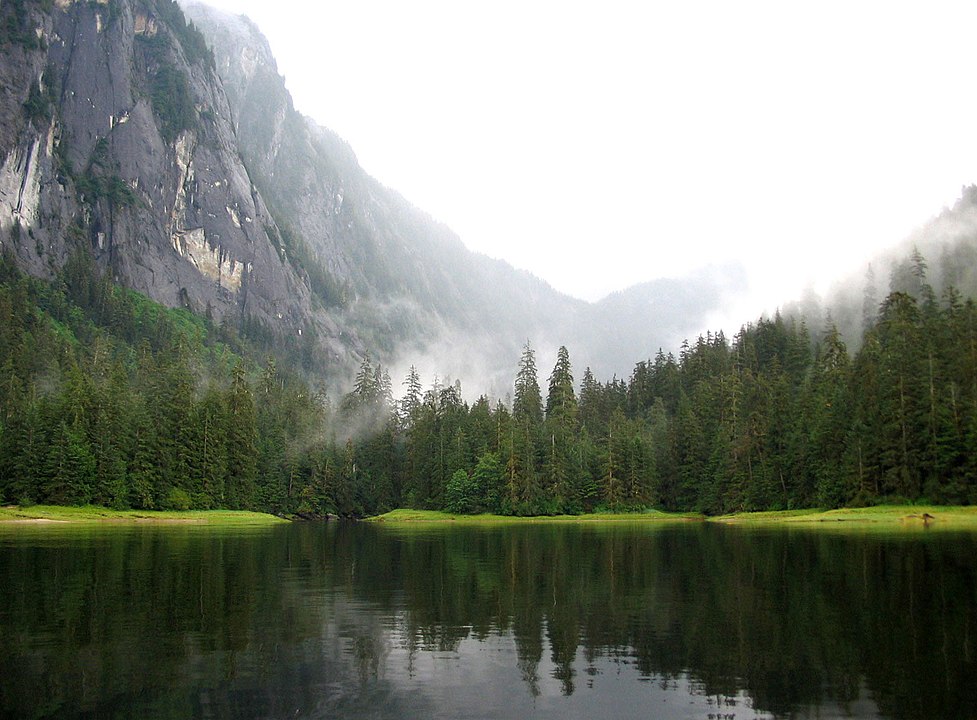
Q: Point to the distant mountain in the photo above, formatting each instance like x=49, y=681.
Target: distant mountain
x=634, y=324
x=173, y=154
x=448, y=300
x=404, y=282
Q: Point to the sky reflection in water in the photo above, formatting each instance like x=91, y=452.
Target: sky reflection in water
x=564, y=622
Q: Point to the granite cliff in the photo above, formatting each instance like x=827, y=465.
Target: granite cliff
x=171, y=151
x=117, y=140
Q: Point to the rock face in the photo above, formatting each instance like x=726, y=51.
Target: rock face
x=189, y=175
x=176, y=158
x=117, y=137
x=387, y=269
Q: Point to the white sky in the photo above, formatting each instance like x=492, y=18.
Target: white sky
x=604, y=144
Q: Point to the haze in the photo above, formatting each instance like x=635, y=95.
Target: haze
x=603, y=145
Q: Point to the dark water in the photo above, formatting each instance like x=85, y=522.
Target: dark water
x=361, y=621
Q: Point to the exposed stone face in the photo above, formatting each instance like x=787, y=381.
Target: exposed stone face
x=163, y=164
x=407, y=280
x=210, y=262
x=175, y=216
x=199, y=184
x=20, y=184
x=145, y=25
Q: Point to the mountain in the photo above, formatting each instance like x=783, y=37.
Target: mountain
x=117, y=141
x=405, y=282
x=448, y=300
x=172, y=153
x=634, y=324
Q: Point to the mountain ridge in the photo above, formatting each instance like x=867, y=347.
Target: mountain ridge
x=172, y=152
x=129, y=156
x=498, y=302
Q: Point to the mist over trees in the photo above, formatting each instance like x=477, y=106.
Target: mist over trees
x=946, y=243
x=111, y=399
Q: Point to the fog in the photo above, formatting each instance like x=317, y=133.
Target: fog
x=612, y=335
x=948, y=246
x=600, y=146
x=681, y=168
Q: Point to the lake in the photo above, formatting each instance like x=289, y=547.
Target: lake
x=358, y=620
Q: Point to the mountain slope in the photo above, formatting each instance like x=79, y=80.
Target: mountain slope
x=406, y=281
x=177, y=159
x=409, y=280
x=117, y=141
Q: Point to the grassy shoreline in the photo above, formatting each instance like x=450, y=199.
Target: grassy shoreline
x=56, y=514
x=891, y=516
x=888, y=515
x=405, y=517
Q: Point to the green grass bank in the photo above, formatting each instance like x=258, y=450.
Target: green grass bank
x=40, y=514
x=405, y=517
x=889, y=516
x=880, y=515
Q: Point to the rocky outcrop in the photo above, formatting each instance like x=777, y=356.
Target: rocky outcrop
x=118, y=140
x=403, y=280
x=177, y=159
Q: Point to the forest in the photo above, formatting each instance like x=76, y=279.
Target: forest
x=108, y=398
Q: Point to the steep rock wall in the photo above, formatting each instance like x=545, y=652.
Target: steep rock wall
x=117, y=139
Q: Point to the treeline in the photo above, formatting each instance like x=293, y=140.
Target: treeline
x=777, y=418
x=108, y=398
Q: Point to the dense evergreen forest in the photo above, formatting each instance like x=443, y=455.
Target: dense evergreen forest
x=108, y=398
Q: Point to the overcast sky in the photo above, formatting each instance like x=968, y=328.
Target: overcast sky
x=603, y=144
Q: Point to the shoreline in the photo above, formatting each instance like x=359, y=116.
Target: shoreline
x=403, y=516
x=888, y=516
x=880, y=516
x=38, y=515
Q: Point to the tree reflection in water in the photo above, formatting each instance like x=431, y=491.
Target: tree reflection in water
x=351, y=620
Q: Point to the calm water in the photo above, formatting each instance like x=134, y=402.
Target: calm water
x=360, y=621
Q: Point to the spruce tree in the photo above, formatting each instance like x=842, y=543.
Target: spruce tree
x=562, y=472
x=241, y=433
x=527, y=421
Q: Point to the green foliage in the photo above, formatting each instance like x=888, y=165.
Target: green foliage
x=461, y=495
x=765, y=422
x=190, y=38
x=98, y=181
x=241, y=439
x=39, y=106
x=172, y=102
x=106, y=397
x=177, y=499
x=112, y=188
x=169, y=85
x=140, y=404
x=16, y=27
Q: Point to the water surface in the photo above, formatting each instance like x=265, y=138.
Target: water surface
x=360, y=620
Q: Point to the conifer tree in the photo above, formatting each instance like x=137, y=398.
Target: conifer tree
x=561, y=421
x=901, y=396
x=111, y=438
x=212, y=420
x=527, y=422
x=411, y=402
x=828, y=418
x=241, y=436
